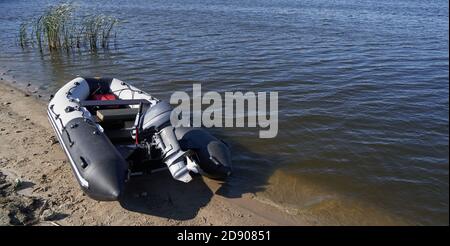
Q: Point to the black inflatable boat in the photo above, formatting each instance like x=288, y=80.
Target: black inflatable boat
x=111, y=130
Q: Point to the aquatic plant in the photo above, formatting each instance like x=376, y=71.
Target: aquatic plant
x=53, y=26
x=60, y=28
x=98, y=30
x=108, y=26
x=23, y=39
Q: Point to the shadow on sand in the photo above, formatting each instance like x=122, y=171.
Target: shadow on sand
x=160, y=195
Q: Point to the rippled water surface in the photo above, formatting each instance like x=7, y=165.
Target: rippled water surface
x=363, y=93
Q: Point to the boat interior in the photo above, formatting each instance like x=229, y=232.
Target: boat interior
x=116, y=116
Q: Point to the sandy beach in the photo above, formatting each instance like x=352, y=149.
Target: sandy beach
x=37, y=186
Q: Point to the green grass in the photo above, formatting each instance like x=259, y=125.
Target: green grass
x=60, y=28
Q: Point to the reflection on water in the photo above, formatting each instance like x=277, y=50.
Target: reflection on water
x=363, y=90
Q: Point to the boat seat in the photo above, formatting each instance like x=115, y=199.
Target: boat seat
x=118, y=114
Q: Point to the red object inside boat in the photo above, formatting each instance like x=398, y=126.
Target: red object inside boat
x=104, y=97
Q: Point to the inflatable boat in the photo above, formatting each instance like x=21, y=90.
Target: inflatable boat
x=111, y=131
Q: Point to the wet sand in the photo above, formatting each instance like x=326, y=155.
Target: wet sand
x=37, y=186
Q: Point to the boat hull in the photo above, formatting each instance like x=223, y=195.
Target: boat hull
x=99, y=168
x=103, y=150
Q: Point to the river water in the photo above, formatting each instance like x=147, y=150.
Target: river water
x=363, y=93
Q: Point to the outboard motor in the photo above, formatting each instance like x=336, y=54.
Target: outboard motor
x=184, y=149
x=157, y=121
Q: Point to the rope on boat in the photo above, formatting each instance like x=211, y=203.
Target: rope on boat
x=63, y=127
x=57, y=116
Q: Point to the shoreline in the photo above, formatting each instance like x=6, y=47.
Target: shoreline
x=34, y=174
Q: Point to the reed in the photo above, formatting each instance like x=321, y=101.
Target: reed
x=108, y=26
x=98, y=31
x=60, y=28
x=23, y=39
